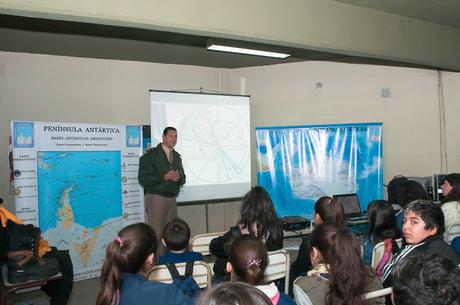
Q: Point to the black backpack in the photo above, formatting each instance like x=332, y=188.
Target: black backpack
x=185, y=282
x=22, y=253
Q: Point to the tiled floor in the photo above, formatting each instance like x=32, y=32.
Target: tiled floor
x=83, y=293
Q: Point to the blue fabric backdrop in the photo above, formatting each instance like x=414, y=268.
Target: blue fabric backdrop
x=299, y=164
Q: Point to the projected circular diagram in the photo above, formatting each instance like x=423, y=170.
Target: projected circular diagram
x=214, y=142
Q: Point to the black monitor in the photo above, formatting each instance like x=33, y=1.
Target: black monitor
x=427, y=183
x=439, y=181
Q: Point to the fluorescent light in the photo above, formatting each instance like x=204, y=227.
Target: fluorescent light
x=216, y=47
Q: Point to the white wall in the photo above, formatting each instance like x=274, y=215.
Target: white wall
x=287, y=94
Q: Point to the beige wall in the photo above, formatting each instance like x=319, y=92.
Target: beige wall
x=288, y=95
x=451, y=93
x=56, y=88
x=68, y=89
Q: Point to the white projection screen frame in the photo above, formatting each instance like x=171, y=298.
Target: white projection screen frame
x=213, y=140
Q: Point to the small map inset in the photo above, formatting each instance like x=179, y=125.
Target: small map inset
x=133, y=136
x=23, y=134
x=80, y=203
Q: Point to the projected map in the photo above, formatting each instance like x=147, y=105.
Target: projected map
x=214, y=142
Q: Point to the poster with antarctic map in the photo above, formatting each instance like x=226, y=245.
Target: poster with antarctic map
x=299, y=164
x=78, y=183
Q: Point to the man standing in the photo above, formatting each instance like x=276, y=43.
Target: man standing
x=161, y=174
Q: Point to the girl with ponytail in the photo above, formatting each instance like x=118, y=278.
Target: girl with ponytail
x=123, y=277
x=327, y=210
x=339, y=276
x=247, y=262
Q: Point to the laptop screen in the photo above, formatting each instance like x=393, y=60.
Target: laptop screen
x=349, y=202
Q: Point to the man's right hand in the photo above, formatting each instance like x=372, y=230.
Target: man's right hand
x=172, y=175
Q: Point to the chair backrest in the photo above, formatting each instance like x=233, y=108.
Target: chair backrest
x=201, y=273
x=379, y=249
x=452, y=232
x=377, y=293
x=278, y=267
x=377, y=254
x=200, y=242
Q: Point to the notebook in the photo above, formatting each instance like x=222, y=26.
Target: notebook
x=351, y=206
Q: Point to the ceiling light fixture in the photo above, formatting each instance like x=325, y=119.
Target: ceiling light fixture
x=222, y=48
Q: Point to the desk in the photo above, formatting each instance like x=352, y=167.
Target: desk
x=297, y=233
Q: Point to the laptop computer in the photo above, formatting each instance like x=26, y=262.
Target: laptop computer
x=351, y=206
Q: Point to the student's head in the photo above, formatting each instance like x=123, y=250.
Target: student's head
x=425, y=280
x=394, y=189
x=451, y=187
x=348, y=277
x=230, y=293
x=258, y=214
x=382, y=221
x=422, y=219
x=412, y=190
x=329, y=210
x=331, y=242
x=131, y=251
x=176, y=235
x=247, y=260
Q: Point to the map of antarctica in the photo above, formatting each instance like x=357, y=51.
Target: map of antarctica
x=70, y=216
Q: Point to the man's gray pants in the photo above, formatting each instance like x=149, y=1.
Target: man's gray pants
x=159, y=210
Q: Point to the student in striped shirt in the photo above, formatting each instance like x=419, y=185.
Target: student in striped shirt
x=422, y=230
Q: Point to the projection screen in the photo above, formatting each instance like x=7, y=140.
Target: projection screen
x=213, y=140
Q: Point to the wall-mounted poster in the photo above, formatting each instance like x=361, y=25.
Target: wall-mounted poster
x=78, y=183
x=299, y=164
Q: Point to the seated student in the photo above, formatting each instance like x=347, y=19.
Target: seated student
x=455, y=244
x=422, y=230
x=407, y=191
x=395, y=192
x=176, y=238
x=247, y=262
x=58, y=290
x=123, y=280
x=382, y=228
x=257, y=218
x=327, y=210
x=233, y=294
x=339, y=276
x=424, y=280
x=450, y=204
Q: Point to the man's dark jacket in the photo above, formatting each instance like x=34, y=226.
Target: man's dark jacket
x=153, y=166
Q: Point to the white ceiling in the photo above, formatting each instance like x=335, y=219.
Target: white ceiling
x=445, y=12
x=22, y=34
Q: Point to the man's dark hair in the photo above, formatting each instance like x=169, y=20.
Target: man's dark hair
x=176, y=235
x=165, y=131
x=426, y=280
x=429, y=212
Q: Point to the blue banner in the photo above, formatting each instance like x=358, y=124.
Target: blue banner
x=299, y=164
